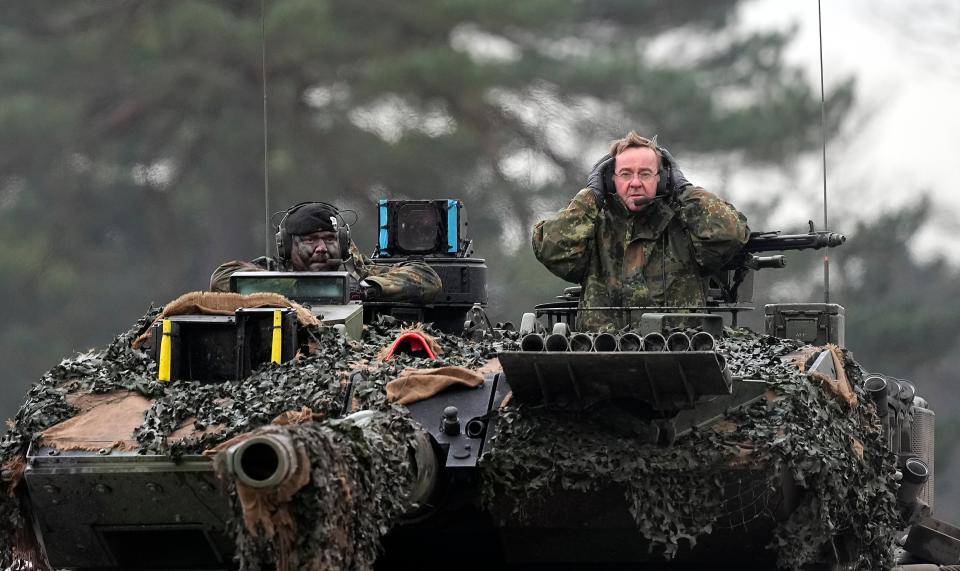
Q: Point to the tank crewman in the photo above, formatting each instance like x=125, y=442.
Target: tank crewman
x=311, y=239
x=639, y=234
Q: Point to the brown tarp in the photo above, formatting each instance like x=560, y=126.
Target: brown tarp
x=105, y=421
x=108, y=421
x=417, y=384
x=840, y=387
x=215, y=303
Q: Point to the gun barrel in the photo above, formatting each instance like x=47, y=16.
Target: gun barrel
x=765, y=262
x=774, y=241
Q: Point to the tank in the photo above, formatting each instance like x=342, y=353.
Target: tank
x=279, y=434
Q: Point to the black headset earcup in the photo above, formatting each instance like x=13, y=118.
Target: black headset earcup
x=606, y=177
x=343, y=237
x=665, y=182
x=280, y=247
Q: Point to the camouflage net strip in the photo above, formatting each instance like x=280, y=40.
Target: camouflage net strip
x=677, y=494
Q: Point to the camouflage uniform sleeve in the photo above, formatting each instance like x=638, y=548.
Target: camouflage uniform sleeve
x=412, y=281
x=360, y=262
x=220, y=278
x=717, y=230
x=563, y=242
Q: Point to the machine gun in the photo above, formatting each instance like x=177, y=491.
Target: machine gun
x=725, y=284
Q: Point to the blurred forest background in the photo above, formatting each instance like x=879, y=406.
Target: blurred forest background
x=131, y=153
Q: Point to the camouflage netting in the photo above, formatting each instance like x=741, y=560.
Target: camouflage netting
x=234, y=407
x=673, y=494
x=678, y=493
x=359, y=479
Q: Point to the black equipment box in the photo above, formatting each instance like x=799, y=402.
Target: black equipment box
x=814, y=323
x=464, y=279
x=464, y=284
x=223, y=347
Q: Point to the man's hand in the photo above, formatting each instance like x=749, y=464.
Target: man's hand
x=677, y=181
x=371, y=291
x=599, y=179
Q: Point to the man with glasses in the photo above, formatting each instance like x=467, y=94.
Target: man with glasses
x=312, y=238
x=639, y=235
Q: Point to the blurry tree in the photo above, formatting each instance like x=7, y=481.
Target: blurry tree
x=131, y=131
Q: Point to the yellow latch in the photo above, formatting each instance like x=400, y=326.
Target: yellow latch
x=277, y=346
x=166, y=344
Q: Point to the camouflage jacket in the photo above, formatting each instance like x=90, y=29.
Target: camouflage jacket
x=651, y=258
x=413, y=281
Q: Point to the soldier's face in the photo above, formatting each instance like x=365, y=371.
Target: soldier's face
x=315, y=252
x=635, y=176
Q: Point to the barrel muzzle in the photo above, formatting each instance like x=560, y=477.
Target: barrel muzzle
x=833, y=239
x=263, y=461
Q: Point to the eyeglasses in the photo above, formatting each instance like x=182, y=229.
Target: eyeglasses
x=644, y=176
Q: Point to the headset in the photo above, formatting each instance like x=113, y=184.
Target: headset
x=665, y=182
x=339, y=225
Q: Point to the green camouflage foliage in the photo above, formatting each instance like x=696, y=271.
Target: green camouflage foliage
x=655, y=257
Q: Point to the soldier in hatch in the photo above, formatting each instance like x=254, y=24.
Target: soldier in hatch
x=313, y=238
x=639, y=234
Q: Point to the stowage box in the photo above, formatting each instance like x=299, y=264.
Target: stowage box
x=223, y=347
x=814, y=323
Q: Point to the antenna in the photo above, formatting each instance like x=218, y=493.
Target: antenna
x=823, y=132
x=266, y=175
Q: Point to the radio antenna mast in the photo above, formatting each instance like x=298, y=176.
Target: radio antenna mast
x=266, y=170
x=823, y=132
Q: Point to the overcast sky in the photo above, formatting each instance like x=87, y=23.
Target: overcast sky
x=904, y=135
